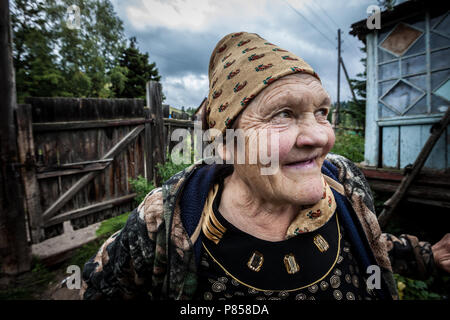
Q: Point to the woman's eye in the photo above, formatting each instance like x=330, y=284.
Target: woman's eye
x=322, y=113
x=283, y=114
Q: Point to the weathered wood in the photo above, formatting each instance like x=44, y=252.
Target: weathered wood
x=112, y=153
x=154, y=102
x=59, y=173
x=441, y=204
x=179, y=123
x=74, y=165
x=148, y=146
x=14, y=249
x=392, y=203
x=25, y=144
x=89, y=209
x=78, y=125
x=56, y=109
x=424, y=178
x=425, y=192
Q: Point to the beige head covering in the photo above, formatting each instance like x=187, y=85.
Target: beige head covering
x=241, y=65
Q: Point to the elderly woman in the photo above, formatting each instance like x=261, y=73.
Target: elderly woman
x=306, y=231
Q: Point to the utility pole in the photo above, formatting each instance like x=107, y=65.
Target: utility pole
x=338, y=103
x=15, y=253
x=348, y=81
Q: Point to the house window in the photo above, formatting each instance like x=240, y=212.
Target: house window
x=413, y=59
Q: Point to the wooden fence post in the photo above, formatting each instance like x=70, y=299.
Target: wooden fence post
x=27, y=157
x=148, y=146
x=154, y=102
x=14, y=248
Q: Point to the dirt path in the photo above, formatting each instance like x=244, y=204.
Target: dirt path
x=55, y=291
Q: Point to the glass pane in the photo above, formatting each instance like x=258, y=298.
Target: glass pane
x=401, y=39
x=417, y=47
x=401, y=96
x=440, y=59
x=388, y=70
x=382, y=34
x=438, y=105
x=417, y=21
x=384, y=86
x=444, y=91
x=444, y=25
x=384, y=56
x=419, y=81
x=413, y=65
x=438, y=77
x=435, y=20
x=437, y=41
x=385, y=112
x=419, y=108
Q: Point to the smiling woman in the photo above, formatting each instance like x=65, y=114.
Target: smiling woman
x=223, y=231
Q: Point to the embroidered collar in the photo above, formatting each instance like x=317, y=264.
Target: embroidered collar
x=309, y=219
x=313, y=217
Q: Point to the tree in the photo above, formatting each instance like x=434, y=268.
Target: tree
x=34, y=59
x=358, y=108
x=138, y=72
x=53, y=60
x=387, y=4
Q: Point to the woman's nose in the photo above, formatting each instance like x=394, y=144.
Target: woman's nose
x=311, y=134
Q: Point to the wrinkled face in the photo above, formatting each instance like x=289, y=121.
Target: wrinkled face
x=295, y=108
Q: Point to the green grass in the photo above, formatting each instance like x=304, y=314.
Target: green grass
x=110, y=226
x=29, y=285
x=106, y=229
x=349, y=145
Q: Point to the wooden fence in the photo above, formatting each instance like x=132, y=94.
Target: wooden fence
x=347, y=122
x=78, y=154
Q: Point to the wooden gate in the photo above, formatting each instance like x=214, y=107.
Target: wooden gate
x=78, y=155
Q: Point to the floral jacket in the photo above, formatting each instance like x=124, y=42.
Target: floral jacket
x=156, y=256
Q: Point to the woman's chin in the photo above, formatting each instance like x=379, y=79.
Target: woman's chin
x=303, y=193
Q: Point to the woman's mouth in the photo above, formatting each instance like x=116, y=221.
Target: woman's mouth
x=310, y=163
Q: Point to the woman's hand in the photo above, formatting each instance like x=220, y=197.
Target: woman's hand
x=441, y=253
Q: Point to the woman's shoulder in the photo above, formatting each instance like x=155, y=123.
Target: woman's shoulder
x=151, y=209
x=344, y=169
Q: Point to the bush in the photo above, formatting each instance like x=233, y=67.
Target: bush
x=410, y=289
x=168, y=169
x=350, y=146
x=142, y=187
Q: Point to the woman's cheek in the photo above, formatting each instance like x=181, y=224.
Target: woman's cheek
x=331, y=139
x=285, y=143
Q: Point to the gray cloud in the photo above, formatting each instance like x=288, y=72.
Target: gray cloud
x=182, y=53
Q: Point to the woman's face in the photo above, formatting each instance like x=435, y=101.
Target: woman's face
x=295, y=108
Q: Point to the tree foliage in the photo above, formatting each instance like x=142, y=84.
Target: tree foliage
x=138, y=72
x=358, y=108
x=52, y=59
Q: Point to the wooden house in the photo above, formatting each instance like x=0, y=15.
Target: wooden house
x=408, y=90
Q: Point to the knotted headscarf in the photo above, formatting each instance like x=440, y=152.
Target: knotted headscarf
x=241, y=65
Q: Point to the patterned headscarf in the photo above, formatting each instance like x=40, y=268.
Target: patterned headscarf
x=241, y=65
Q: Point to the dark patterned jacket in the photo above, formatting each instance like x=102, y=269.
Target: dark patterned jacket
x=156, y=254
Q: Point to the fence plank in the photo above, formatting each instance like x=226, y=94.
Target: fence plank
x=154, y=102
x=78, y=125
x=112, y=153
x=148, y=146
x=31, y=185
x=80, y=212
x=15, y=252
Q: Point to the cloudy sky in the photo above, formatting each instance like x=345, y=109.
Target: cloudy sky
x=179, y=36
